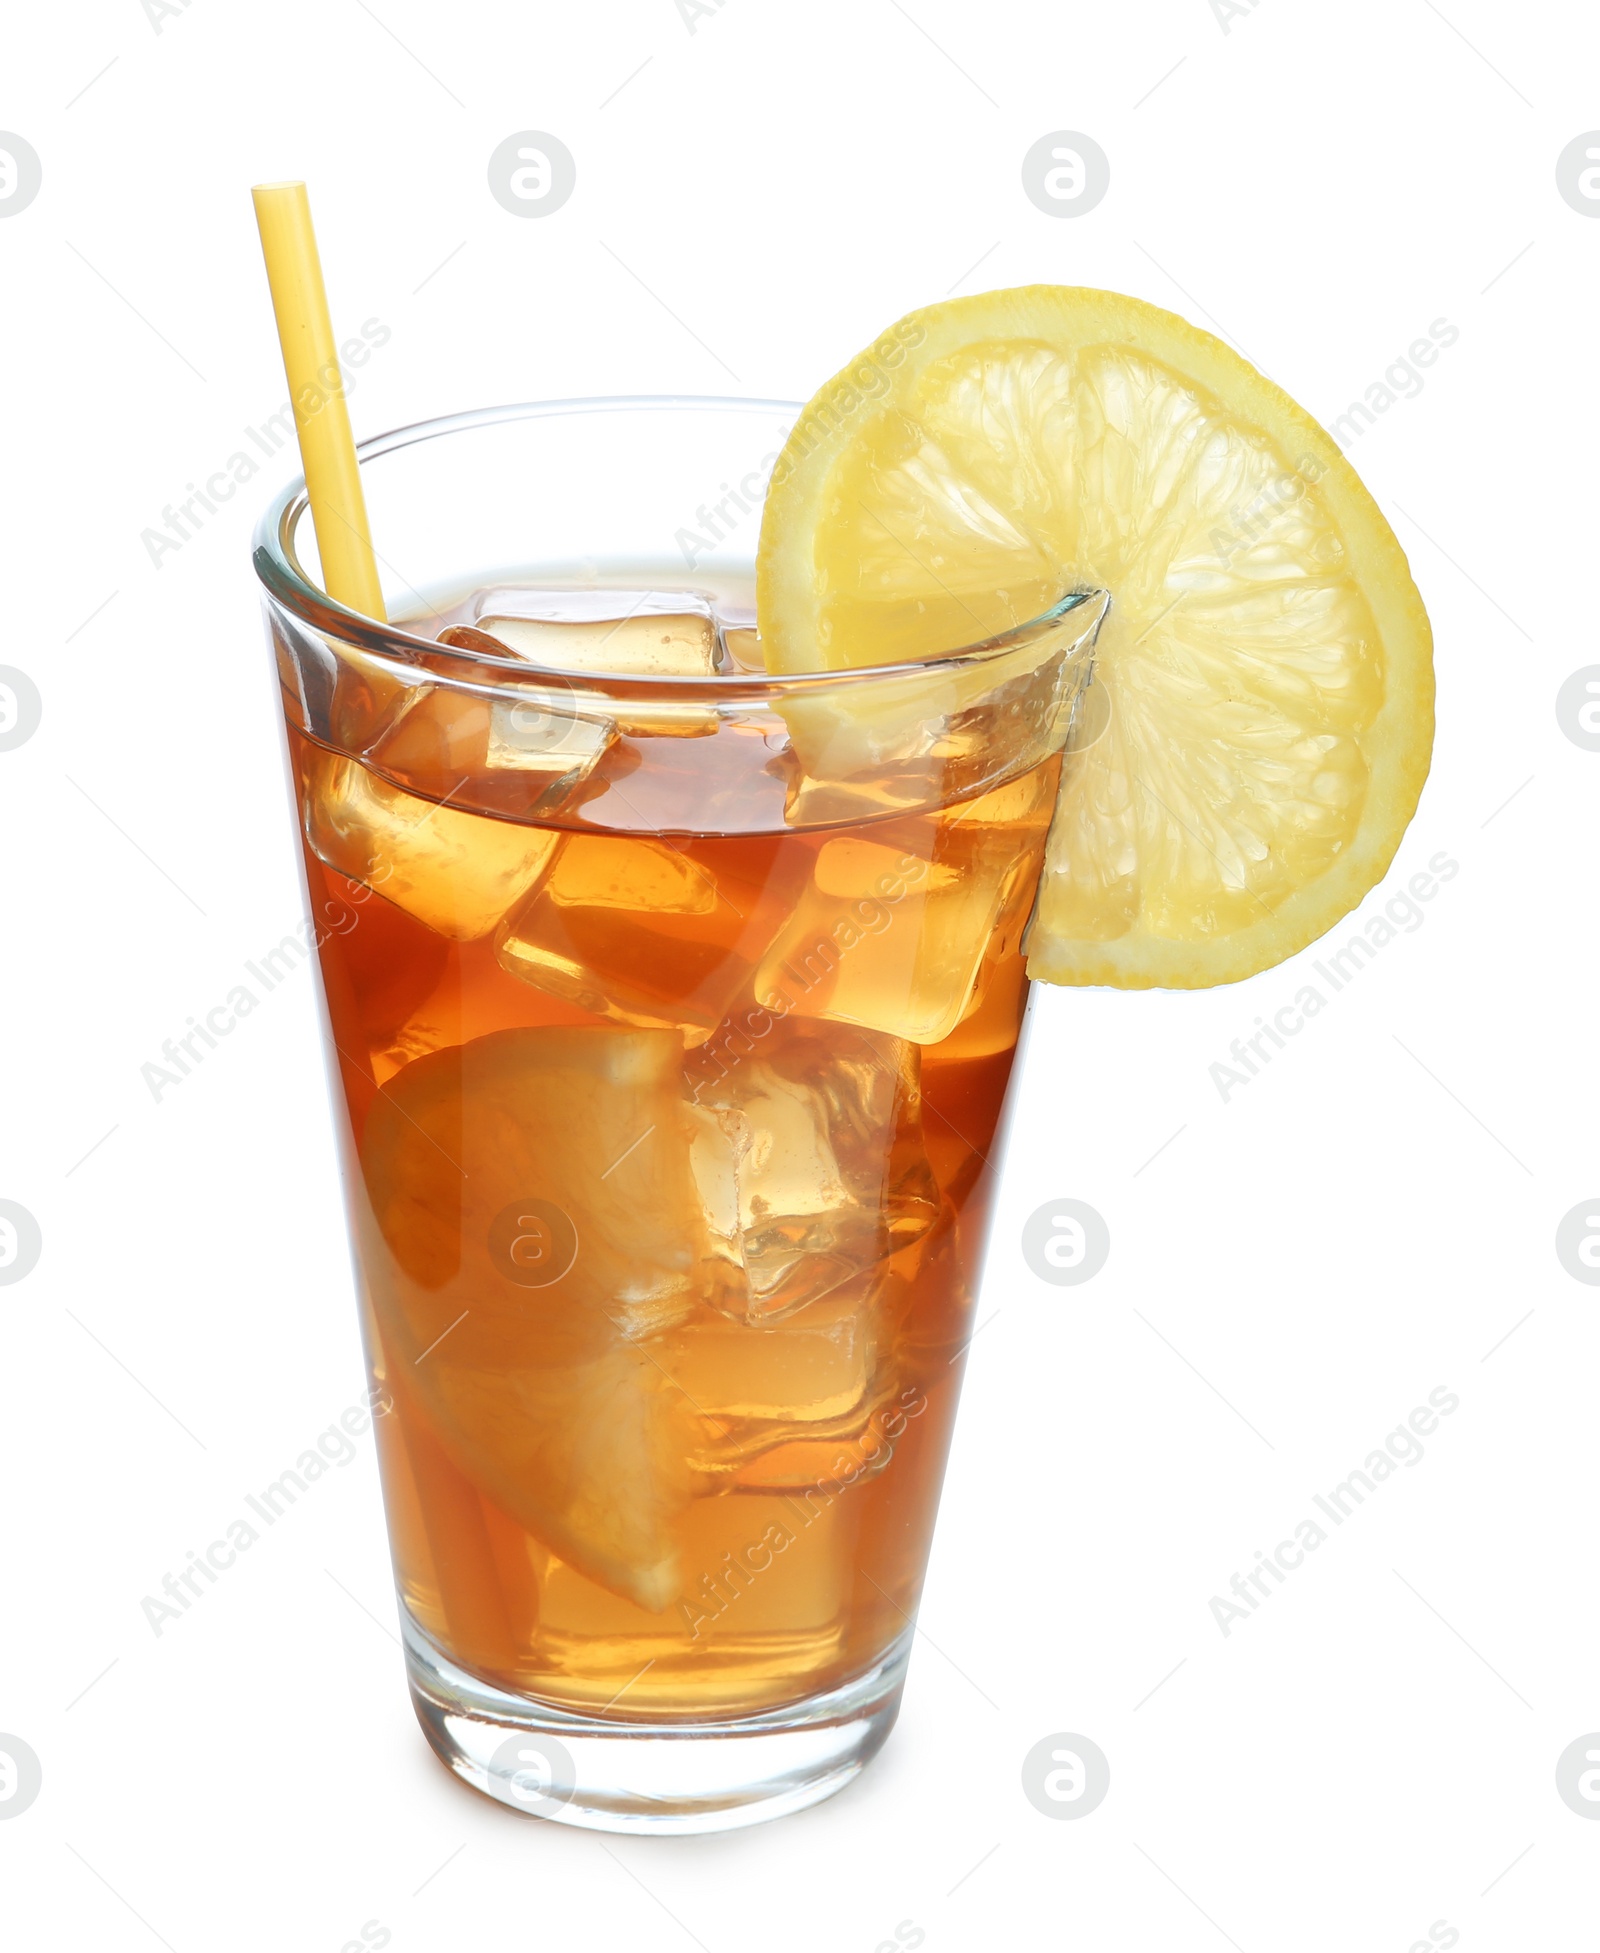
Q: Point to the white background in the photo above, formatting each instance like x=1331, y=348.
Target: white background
x=1372, y=1217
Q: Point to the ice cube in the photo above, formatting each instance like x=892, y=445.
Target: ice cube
x=762, y=1580
x=815, y=1366
x=370, y=694
x=463, y=637
x=521, y=753
x=913, y=1315
x=735, y=615
x=743, y=647
x=459, y=873
x=780, y=1588
x=639, y=638
x=810, y=1162
x=622, y=633
x=894, y=930
x=535, y=733
x=653, y=932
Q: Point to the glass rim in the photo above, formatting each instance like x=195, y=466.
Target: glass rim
x=286, y=582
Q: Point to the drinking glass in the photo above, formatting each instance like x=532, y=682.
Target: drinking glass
x=671, y=1008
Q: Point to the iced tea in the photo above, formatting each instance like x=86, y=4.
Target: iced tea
x=670, y=1159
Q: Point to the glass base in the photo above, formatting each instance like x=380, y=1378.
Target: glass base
x=663, y=1777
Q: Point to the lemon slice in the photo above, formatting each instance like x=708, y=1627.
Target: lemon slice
x=1261, y=717
x=532, y=1229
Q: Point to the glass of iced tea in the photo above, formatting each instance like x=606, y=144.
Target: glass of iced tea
x=672, y=1007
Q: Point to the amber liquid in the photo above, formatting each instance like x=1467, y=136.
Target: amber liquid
x=624, y=1472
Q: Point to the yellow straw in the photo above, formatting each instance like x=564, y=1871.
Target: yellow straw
x=316, y=387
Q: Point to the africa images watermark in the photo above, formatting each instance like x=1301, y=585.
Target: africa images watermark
x=1401, y=381
x=184, y=1054
x=1226, y=12
x=806, y=970
x=1402, y=1446
x=866, y=380
x=692, y=12
x=864, y=1457
x=181, y=524
x=1248, y=522
x=157, y=12
x=1400, y=915
x=332, y=1449
x=713, y=517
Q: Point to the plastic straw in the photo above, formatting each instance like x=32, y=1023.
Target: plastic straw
x=316, y=388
